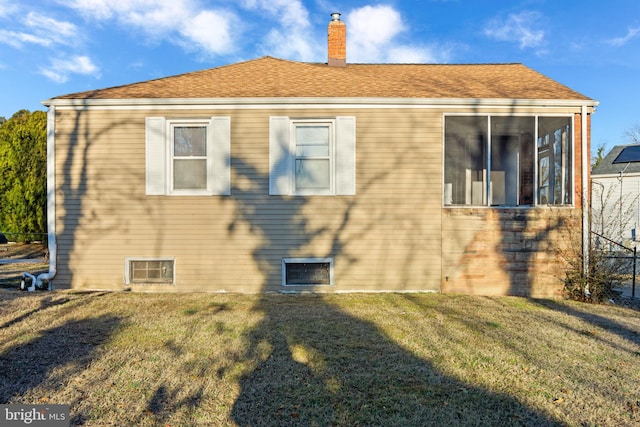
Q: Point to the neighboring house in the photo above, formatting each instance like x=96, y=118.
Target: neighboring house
x=273, y=175
x=615, y=187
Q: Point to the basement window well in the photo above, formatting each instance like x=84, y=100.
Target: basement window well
x=307, y=271
x=145, y=271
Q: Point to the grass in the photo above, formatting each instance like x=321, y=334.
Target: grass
x=375, y=359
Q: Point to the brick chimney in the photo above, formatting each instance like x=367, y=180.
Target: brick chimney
x=337, y=44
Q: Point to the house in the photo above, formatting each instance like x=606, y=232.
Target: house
x=273, y=175
x=615, y=187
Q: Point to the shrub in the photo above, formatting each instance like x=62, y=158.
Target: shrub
x=23, y=175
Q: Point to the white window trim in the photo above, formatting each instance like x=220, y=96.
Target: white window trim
x=286, y=261
x=282, y=156
x=159, y=156
x=536, y=116
x=127, y=270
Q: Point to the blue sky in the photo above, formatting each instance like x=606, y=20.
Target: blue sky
x=54, y=47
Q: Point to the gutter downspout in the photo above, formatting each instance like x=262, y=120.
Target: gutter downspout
x=51, y=206
x=585, y=201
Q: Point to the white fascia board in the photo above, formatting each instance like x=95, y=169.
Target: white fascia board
x=312, y=102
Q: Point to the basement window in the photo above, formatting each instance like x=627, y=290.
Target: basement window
x=307, y=271
x=145, y=271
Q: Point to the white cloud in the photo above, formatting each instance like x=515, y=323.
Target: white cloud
x=44, y=23
x=8, y=7
x=58, y=32
x=518, y=28
x=18, y=39
x=60, y=69
x=290, y=45
x=210, y=31
x=373, y=26
x=94, y=9
x=416, y=55
x=40, y=30
x=372, y=33
x=631, y=34
x=158, y=19
x=180, y=21
x=293, y=38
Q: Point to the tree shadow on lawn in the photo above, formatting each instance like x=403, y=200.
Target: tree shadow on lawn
x=53, y=356
x=623, y=331
x=45, y=303
x=354, y=375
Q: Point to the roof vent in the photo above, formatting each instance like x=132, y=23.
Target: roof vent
x=337, y=42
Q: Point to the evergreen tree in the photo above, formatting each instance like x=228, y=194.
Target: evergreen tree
x=595, y=161
x=23, y=176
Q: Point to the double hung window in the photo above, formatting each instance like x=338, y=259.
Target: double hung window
x=312, y=156
x=189, y=157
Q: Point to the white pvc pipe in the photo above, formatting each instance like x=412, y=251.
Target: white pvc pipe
x=585, y=197
x=47, y=277
x=51, y=207
x=33, y=282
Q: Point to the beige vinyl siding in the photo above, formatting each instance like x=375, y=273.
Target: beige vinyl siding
x=386, y=237
x=392, y=235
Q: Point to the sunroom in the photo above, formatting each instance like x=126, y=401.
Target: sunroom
x=508, y=161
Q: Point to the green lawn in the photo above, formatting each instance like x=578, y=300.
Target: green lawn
x=354, y=359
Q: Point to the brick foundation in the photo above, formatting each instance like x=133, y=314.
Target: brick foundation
x=490, y=251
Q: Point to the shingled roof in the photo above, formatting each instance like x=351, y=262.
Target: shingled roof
x=269, y=77
x=608, y=164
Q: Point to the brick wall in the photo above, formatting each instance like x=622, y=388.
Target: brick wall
x=577, y=166
x=489, y=251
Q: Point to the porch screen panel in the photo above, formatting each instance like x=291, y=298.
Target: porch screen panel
x=554, y=161
x=465, y=160
x=511, y=175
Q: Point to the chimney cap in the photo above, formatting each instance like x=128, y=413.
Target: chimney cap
x=335, y=16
